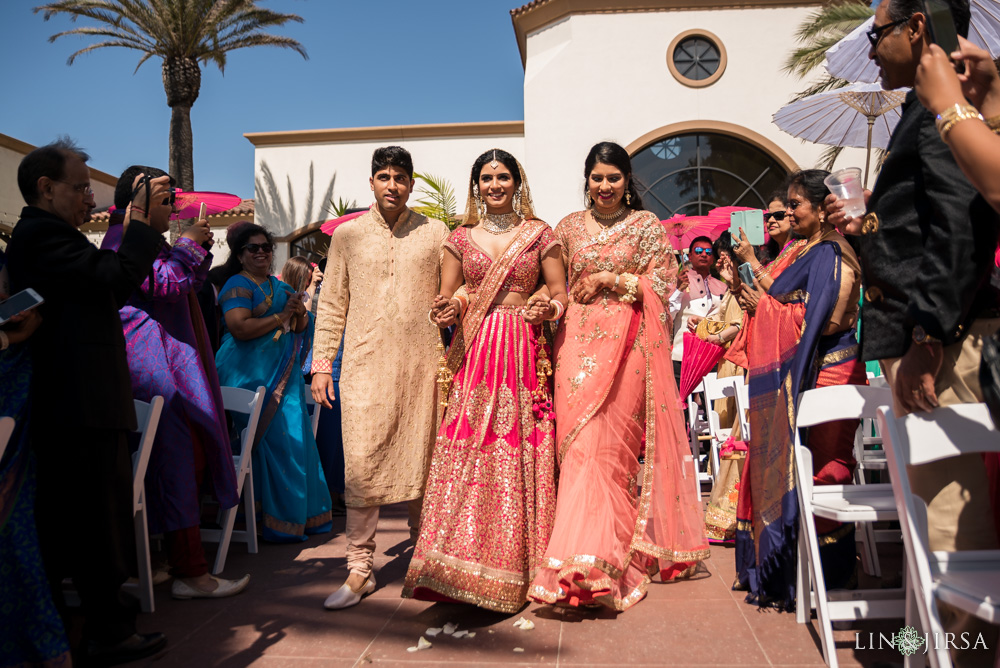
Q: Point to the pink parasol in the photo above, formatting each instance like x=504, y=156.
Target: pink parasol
x=329, y=226
x=699, y=358
x=682, y=230
x=189, y=203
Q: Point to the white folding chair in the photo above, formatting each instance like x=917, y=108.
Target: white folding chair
x=148, y=420
x=742, y=406
x=968, y=580
x=249, y=403
x=6, y=429
x=698, y=430
x=719, y=388
x=842, y=503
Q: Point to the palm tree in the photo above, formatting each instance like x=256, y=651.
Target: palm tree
x=185, y=34
x=438, y=200
x=820, y=31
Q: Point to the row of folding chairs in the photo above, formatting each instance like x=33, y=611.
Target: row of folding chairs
x=705, y=426
x=969, y=581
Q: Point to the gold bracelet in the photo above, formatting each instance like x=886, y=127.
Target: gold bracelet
x=993, y=123
x=953, y=115
x=631, y=282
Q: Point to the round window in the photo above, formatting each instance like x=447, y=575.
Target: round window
x=696, y=58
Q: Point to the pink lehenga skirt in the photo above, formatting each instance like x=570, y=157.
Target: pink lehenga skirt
x=491, y=492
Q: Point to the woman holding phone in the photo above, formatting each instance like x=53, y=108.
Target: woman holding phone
x=264, y=344
x=803, y=336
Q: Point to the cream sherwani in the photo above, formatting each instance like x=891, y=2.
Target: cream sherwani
x=377, y=289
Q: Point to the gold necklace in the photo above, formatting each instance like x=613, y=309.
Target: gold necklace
x=268, y=298
x=607, y=217
x=500, y=223
x=607, y=232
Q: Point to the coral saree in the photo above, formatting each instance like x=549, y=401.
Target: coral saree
x=619, y=520
x=490, y=499
x=788, y=355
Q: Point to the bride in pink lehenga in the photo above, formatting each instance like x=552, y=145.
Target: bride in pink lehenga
x=490, y=498
x=618, y=521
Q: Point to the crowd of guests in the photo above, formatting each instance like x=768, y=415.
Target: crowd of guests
x=542, y=452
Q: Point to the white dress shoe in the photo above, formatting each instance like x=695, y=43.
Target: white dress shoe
x=182, y=590
x=345, y=597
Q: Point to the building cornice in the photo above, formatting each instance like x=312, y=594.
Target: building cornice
x=24, y=148
x=540, y=13
x=387, y=133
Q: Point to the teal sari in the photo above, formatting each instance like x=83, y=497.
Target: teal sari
x=288, y=479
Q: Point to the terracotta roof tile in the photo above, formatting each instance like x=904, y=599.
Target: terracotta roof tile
x=245, y=209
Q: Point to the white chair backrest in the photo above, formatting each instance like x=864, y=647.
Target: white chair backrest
x=147, y=420
x=945, y=432
x=878, y=381
x=840, y=402
x=248, y=403
x=719, y=388
x=6, y=429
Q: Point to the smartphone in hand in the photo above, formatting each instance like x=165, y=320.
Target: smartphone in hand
x=941, y=25
x=24, y=300
x=746, y=273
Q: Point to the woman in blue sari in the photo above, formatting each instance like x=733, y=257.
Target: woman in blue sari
x=802, y=337
x=264, y=344
x=31, y=631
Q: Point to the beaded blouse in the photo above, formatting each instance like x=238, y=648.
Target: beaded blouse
x=523, y=276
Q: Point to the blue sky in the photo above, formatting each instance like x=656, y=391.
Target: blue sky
x=370, y=63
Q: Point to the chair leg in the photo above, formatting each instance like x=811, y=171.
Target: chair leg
x=142, y=552
x=250, y=509
x=228, y=520
x=802, y=591
x=823, y=619
x=864, y=537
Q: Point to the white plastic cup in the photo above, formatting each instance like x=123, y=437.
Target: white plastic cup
x=846, y=185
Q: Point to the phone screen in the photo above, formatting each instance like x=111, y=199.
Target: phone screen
x=942, y=25
x=19, y=303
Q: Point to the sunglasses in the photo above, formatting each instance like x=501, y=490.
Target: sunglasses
x=876, y=33
x=253, y=248
x=777, y=215
x=702, y=251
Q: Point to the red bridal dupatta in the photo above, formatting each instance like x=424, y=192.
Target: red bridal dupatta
x=619, y=521
x=490, y=498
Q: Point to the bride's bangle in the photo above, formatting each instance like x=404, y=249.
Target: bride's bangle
x=555, y=303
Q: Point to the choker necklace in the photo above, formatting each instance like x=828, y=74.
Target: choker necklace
x=268, y=298
x=500, y=223
x=606, y=217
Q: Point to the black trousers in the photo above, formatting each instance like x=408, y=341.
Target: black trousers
x=83, y=511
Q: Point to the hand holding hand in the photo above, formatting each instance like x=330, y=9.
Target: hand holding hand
x=588, y=287
x=444, y=312
x=537, y=310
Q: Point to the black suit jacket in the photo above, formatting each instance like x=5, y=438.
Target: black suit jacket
x=927, y=243
x=80, y=375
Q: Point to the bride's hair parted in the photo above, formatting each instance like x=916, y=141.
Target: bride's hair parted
x=501, y=156
x=610, y=153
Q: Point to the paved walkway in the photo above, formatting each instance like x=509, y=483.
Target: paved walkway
x=280, y=621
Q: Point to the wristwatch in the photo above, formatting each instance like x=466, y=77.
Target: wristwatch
x=922, y=337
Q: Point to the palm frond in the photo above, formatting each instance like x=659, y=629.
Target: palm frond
x=826, y=83
x=341, y=207
x=438, y=199
x=828, y=157
x=821, y=30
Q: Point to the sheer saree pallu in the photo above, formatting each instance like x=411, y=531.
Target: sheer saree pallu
x=618, y=521
x=287, y=476
x=788, y=355
x=490, y=497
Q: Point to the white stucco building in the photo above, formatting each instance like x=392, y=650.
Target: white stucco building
x=687, y=86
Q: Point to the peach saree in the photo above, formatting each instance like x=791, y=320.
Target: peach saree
x=626, y=506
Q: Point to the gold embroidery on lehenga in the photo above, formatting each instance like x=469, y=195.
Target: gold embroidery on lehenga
x=504, y=413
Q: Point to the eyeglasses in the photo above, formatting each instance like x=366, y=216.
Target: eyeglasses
x=702, y=251
x=253, y=248
x=876, y=33
x=777, y=215
x=79, y=188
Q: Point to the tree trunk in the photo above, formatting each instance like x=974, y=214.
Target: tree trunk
x=181, y=82
x=181, y=147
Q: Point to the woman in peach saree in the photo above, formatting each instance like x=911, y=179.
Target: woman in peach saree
x=618, y=521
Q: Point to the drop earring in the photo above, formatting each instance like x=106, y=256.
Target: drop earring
x=517, y=201
x=628, y=199
x=478, y=201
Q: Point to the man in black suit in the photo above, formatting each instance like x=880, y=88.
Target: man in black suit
x=81, y=395
x=927, y=246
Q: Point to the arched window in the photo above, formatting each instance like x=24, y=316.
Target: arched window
x=695, y=172
x=313, y=245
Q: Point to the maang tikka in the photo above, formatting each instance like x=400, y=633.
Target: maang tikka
x=494, y=162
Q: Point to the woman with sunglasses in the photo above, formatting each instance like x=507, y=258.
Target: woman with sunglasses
x=802, y=337
x=263, y=344
x=781, y=242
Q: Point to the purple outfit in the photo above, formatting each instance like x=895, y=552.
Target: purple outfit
x=169, y=355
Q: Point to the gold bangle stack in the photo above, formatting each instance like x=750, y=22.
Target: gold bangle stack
x=953, y=115
x=631, y=282
x=993, y=123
